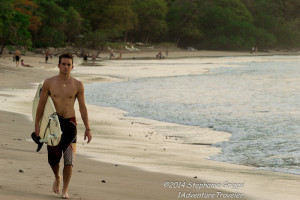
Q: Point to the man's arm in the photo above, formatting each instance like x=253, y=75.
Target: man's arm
x=41, y=106
x=84, y=113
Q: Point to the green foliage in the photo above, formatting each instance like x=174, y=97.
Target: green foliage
x=6, y=15
x=236, y=9
x=113, y=18
x=279, y=18
x=20, y=34
x=14, y=25
x=151, y=19
x=54, y=22
x=73, y=25
x=183, y=19
x=209, y=24
x=226, y=28
x=96, y=39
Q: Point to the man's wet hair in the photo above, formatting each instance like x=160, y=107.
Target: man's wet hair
x=65, y=55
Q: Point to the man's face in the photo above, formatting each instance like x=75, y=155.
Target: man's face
x=65, y=65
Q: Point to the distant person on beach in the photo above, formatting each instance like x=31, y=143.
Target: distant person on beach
x=85, y=57
x=17, y=57
x=111, y=54
x=120, y=55
x=94, y=57
x=25, y=65
x=159, y=55
x=46, y=56
x=64, y=90
x=167, y=52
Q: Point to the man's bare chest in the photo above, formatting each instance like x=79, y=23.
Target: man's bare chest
x=63, y=91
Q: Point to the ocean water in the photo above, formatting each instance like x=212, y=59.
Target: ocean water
x=257, y=100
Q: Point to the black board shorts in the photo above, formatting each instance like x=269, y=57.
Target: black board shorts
x=67, y=145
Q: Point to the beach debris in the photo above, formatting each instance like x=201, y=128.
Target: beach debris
x=79, y=171
x=21, y=171
x=103, y=181
x=116, y=165
x=195, y=177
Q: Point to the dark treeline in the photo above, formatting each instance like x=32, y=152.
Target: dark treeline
x=202, y=24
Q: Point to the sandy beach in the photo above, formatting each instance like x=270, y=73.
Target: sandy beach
x=110, y=174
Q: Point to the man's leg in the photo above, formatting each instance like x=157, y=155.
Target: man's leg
x=54, y=156
x=56, y=183
x=67, y=173
x=69, y=157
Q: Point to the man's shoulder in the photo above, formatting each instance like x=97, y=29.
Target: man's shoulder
x=53, y=78
x=78, y=84
x=50, y=80
x=76, y=81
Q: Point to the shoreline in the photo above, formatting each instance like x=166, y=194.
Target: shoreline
x=211, y=170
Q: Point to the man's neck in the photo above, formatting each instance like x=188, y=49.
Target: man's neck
x=64, y=77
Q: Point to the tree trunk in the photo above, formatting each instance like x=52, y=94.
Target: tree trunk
x=3, y=44
x=125, y=36
x=177, y=39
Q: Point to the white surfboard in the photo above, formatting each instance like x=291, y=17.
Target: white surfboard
x=50, y=131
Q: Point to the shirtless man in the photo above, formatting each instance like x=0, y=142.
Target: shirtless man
x=17, y=57
x=64, y=90
x=46, y=56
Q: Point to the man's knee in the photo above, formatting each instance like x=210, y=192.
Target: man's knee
x=69, y=155
x=54, y=155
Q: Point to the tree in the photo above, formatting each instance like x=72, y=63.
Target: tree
x=73, y=27
x=229, y=25
x=151, y=19
x=28, y=7
x=183, y=20
x=14, y=24
x=6, y=15
x=52, y=32
x=279, y=18
x=118, y=19
x=113, y=18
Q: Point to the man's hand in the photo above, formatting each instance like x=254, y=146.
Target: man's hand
x=88, y=134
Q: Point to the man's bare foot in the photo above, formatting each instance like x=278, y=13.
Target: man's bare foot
x=65, y=195
x=56, y=185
